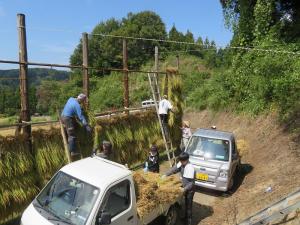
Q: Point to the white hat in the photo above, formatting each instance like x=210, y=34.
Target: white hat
x=81, y=97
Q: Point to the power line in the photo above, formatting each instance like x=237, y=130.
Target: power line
x=147, y=39
x=247, y=48
x=191, y=50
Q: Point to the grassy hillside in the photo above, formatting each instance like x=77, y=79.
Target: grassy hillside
x=254, y=84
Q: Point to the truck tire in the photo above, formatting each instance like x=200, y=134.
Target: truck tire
x=171, y=217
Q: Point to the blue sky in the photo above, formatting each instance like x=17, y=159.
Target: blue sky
x=54, y=27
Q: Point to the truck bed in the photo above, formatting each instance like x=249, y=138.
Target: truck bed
x=162, y=209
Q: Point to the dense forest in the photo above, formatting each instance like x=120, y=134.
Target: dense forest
x=256, y=73
x=9, y=87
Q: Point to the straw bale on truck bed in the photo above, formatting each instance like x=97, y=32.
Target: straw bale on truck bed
x=152, y=191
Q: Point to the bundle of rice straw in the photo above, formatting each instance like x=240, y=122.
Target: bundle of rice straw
x=153, y=191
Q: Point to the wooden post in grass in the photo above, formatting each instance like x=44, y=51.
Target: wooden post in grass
x=25, y=112
x=125, y=68
x=156, y=68
x=177, y=62
x=85, y=64
x=64, y=137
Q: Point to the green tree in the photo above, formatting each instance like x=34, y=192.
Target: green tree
x=189, y=37
x=107, y=51
x=175, y=35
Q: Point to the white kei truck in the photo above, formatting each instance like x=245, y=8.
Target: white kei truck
x=93, y=191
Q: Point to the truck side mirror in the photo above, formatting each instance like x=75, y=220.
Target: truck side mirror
x=104, y=218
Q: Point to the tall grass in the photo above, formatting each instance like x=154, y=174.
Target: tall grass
x=131, y=135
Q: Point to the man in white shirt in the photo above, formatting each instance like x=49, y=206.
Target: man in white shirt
x=187, y=172
x=163, y=110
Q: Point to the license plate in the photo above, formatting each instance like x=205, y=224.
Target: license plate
x=201, y=176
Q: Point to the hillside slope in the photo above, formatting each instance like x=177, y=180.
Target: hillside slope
x=270, y=158
x=35, y=76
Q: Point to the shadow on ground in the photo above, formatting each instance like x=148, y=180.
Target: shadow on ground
x=239, y=177
x=200, y=212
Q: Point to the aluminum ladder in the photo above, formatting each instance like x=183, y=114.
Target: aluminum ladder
x=156, y=97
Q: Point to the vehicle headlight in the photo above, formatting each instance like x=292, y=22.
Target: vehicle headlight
x=223, y=173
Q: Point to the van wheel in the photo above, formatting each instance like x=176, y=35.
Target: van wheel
x=171, y=217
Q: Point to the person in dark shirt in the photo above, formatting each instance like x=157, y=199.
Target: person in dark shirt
x=187, y=172
x=71, y=112
x=106, y=151
x=152, y=162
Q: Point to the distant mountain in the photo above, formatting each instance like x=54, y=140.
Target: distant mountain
x=35, y=75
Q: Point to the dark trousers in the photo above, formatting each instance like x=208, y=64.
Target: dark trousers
x=164, y=120
x=189, y=195
x=69, y=125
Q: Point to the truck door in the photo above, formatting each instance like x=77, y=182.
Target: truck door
x=118, y=203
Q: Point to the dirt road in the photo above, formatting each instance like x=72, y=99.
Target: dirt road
x=270, y=157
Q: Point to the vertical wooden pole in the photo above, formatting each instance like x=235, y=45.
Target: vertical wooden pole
x=166, y=87
x=85, y=64
x=156, y=62
x=156, y=67
x=25, y=112
x=125, y=67
x=177, y=62
x=65, y=139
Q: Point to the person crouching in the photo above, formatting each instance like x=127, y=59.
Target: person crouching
x=152, y=162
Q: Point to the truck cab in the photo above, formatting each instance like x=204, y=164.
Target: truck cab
x=91, y=191
x=214, y=155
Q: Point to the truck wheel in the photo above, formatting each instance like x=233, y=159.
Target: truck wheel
x=171, y=217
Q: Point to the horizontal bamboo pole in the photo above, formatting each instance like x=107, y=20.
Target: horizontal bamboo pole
x=122, y=111
x=107, y=113
x=77, y=67
x=28, y=124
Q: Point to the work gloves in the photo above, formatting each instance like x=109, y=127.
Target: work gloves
x=88, y=129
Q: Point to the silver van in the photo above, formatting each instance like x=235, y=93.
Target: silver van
x=215, y=158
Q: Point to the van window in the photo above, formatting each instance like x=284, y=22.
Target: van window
x=209, y=148
x=117, y=199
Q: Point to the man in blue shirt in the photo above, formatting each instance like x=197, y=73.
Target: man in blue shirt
x=70, y=113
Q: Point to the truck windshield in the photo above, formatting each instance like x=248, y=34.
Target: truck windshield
x=68, y=198
x=209, y=148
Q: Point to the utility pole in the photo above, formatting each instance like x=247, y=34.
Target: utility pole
x=156, y=67
x=85, y=64
x=125, y=68
x=25, y=112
